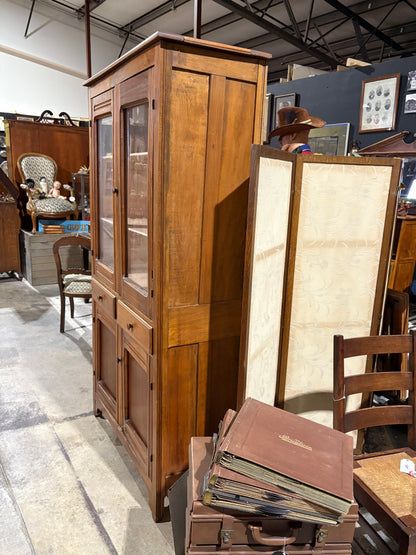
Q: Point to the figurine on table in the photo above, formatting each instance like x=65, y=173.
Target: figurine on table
x=56, y=190
x=293, y=127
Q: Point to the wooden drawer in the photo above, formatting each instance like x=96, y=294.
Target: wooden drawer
x=136, y=327
x=105, y=301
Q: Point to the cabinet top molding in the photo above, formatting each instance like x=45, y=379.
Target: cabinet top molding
x=180, y=39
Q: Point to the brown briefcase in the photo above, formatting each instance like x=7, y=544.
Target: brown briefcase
x=209, y=530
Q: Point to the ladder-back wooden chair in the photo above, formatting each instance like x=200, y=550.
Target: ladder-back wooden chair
x=73, y=282
x=379, y=486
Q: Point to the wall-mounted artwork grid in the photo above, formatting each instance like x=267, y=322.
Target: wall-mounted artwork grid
x=338, y=233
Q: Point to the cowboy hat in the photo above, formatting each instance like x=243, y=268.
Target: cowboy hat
x=293, y=119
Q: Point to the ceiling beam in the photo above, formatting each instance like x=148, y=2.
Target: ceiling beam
x=277, y=31
x=363, y=23
x=93, y=4
x=150, y=16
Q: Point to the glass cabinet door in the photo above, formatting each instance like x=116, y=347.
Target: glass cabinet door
x=103, y=190
x=136, y=194
x=105, y=187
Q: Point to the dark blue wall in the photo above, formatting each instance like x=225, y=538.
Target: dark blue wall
x=335, y=97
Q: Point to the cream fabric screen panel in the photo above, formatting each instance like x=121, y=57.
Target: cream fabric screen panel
x=340, y=265
x=270, y=194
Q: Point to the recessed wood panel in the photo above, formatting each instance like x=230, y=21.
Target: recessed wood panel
x=137, y=410
x=185, y=157
x=226, y=190
x=179, y=407
x=107, y=354
x=217, y=382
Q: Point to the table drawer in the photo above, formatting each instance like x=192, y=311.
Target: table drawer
x=136, y=327
x=105, y=301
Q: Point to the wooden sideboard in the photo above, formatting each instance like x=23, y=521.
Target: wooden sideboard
x=67, y=145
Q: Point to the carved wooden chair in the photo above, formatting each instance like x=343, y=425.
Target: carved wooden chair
x=379, y=486
x=73, y=282
x=33, y=166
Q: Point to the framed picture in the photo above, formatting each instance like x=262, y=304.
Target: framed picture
x=331, y=139
x=282, y=101
x=411, y=80
x=267, y=117
x=410, y=103
x=379, y=97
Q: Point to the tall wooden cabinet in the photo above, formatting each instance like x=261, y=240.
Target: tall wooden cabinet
x=173, y=122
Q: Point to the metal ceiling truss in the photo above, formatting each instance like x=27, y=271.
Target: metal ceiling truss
x=279, y=32
x=376, y=50
x=364, y=23
x=310, y=37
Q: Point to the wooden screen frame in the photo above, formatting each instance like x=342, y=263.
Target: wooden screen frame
x=385, y=238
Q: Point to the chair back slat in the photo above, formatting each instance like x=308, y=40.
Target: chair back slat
x=370, y=382
x=378, y=381
x=378, y=344
x=378, y=416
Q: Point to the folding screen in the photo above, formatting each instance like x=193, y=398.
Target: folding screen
x=334, y=240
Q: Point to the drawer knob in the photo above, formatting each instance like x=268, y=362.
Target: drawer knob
x=130, y=327
x=115, y=190
x=100, y=298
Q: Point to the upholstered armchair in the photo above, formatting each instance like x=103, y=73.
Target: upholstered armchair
x=38, y=171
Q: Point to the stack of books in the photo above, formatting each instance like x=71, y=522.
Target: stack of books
x=53, y=229
x=268, y=461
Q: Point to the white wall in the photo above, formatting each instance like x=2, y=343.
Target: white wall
x=46, y=70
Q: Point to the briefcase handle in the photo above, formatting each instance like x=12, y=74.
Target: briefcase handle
x=269, y=540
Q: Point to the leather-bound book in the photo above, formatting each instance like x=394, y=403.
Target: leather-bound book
x=284, y=450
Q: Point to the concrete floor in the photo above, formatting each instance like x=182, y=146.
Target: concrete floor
x=66, y=483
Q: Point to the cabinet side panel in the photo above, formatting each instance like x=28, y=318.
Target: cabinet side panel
x=179, y=410
x=185, y=183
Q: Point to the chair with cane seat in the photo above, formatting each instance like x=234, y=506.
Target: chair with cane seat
x=379, y=486
x=73, y=282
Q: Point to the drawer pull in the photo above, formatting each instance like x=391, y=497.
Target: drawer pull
x=269, y=540
x=130, y=327
x=100, y=298
x=115, y=190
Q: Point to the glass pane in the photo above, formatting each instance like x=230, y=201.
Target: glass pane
x=105, y=189
x=137, y=195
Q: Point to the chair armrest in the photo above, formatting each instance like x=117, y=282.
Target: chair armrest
x=71, y=194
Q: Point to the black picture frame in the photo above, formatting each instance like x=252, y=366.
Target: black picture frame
x=282, y=101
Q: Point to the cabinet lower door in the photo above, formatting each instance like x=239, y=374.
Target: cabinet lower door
x=105, y=365
x=137, y=403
